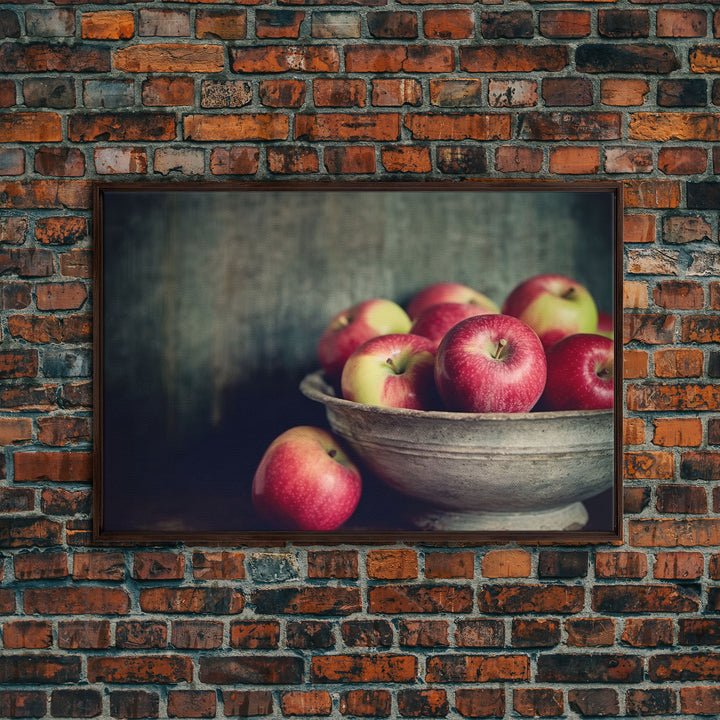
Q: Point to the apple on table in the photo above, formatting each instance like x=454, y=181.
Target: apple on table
x=394, y=370
x=554, y=306
x=306, y=481
x=490, y=363
x=442, y=292
x=579, y=374
x=351, y=327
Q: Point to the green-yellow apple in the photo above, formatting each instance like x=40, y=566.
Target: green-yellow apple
x=305, y=481
x=442, y=292
x=392, y=371
x=434, y=321
x=352, y=327
x=554, y=306
x=490, y=363
x=579, y=373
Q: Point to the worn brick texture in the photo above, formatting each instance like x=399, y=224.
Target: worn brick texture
x=374, y=90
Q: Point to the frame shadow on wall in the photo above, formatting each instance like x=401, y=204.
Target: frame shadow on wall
x=209, y=302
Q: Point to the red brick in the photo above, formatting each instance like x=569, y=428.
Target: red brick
x=310, y=600
x=278, y=24
x=207, y=600
x=678, y=363
x=628, y=160
x=671, y=432
x=447, y=565
x=218, y=565
x=30, y=634
x=85, y=634
x=363, y=668
x=282, y=58
x=282, y=93
x=236, y=669
x=456, y=93
x=168, y=91
x=23, y=703
x=7, y=93
x=589, y=668
x=512, y=93
x=430, y=702
x=61, y=296
x=682, y=160
x=135, y=634
x=247, y=702
x=7, y=602
x=686, y=532
x=191, y=703
x=30, y=127
x=366, y=703
x=590, y=632
x=564, y=23
x=234, y=161
x=334, y=92
x=53, y=467
x=392, y=25
x=18, y=363
x=340, y=564
x=15, y=430
x=406, y=158
x=423, y=633
x=448, y=24
x=254, y=635
x=228, y=128
x=167, y=669
x=397, y=58
x=196, y=634
x=76, y=263
x=169, y=57
x=678, y=565
x=649, y=465
x=121, y=127
x=570, y=125
x=513, y=57
x=134, y=704
x=61, y=229
x=471, y=126
x=48, y=194
x=572, y=92
x=506, y=563
x=222, y=24
x=60, y=162
x=16, y=500
x=396, y=92
x=480, y=702
x=108, y=25
x=623, y=92
x=518, y=159
x=479, y=633
x=574, y=161
x=681, y=23
x=307, y=702
x=679, y=295
x=309, y=634
x=703, y=700
x=13, y=230
x=635, y=364
x=347, y=126
x=351, y=159
x=419, y=599
x=477, y=668
x=648, y=632
x=680, y=498
x=532, y=633
x=653, y=701
x=36, y=669
x=40, y=565
x=63, y=430
x=611, y=565
x=538, y=702
x=533, y=598
x=76, y=601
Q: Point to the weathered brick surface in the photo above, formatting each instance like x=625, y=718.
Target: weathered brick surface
x=420, y=89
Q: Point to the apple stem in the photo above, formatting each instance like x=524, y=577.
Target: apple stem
x=500, y=350
x=605, y=372
x=394, y=367
x=332, y=452
x=569, y=294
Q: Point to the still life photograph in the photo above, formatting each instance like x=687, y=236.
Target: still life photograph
x=436, y=361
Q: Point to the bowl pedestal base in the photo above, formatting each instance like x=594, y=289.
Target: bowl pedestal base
x=568, y=517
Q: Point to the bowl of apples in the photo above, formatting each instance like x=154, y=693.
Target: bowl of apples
x=492, y=422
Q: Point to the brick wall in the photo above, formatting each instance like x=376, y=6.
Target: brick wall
x=368, y=89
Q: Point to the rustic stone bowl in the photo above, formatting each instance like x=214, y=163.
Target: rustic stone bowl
x=479, y=471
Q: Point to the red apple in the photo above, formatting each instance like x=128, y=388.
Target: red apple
x=305, y=481
x=579, y=374
x=352, y=327
x=554, y=306
x=392, y=371
x=447, y=292
x=606, y=324
x=434, y=321
x=490, y=363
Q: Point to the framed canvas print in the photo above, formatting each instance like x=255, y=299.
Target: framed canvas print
x=338, y=362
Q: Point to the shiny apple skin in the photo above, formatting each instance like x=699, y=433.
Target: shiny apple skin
x=392, y=371
x=473, y=374
x=353, y=326
x=554, y=306
x=580, y=374
x=447, y=292
x=305, y=481
x=435, y=321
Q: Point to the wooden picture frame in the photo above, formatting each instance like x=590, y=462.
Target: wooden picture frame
x=209, y=302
